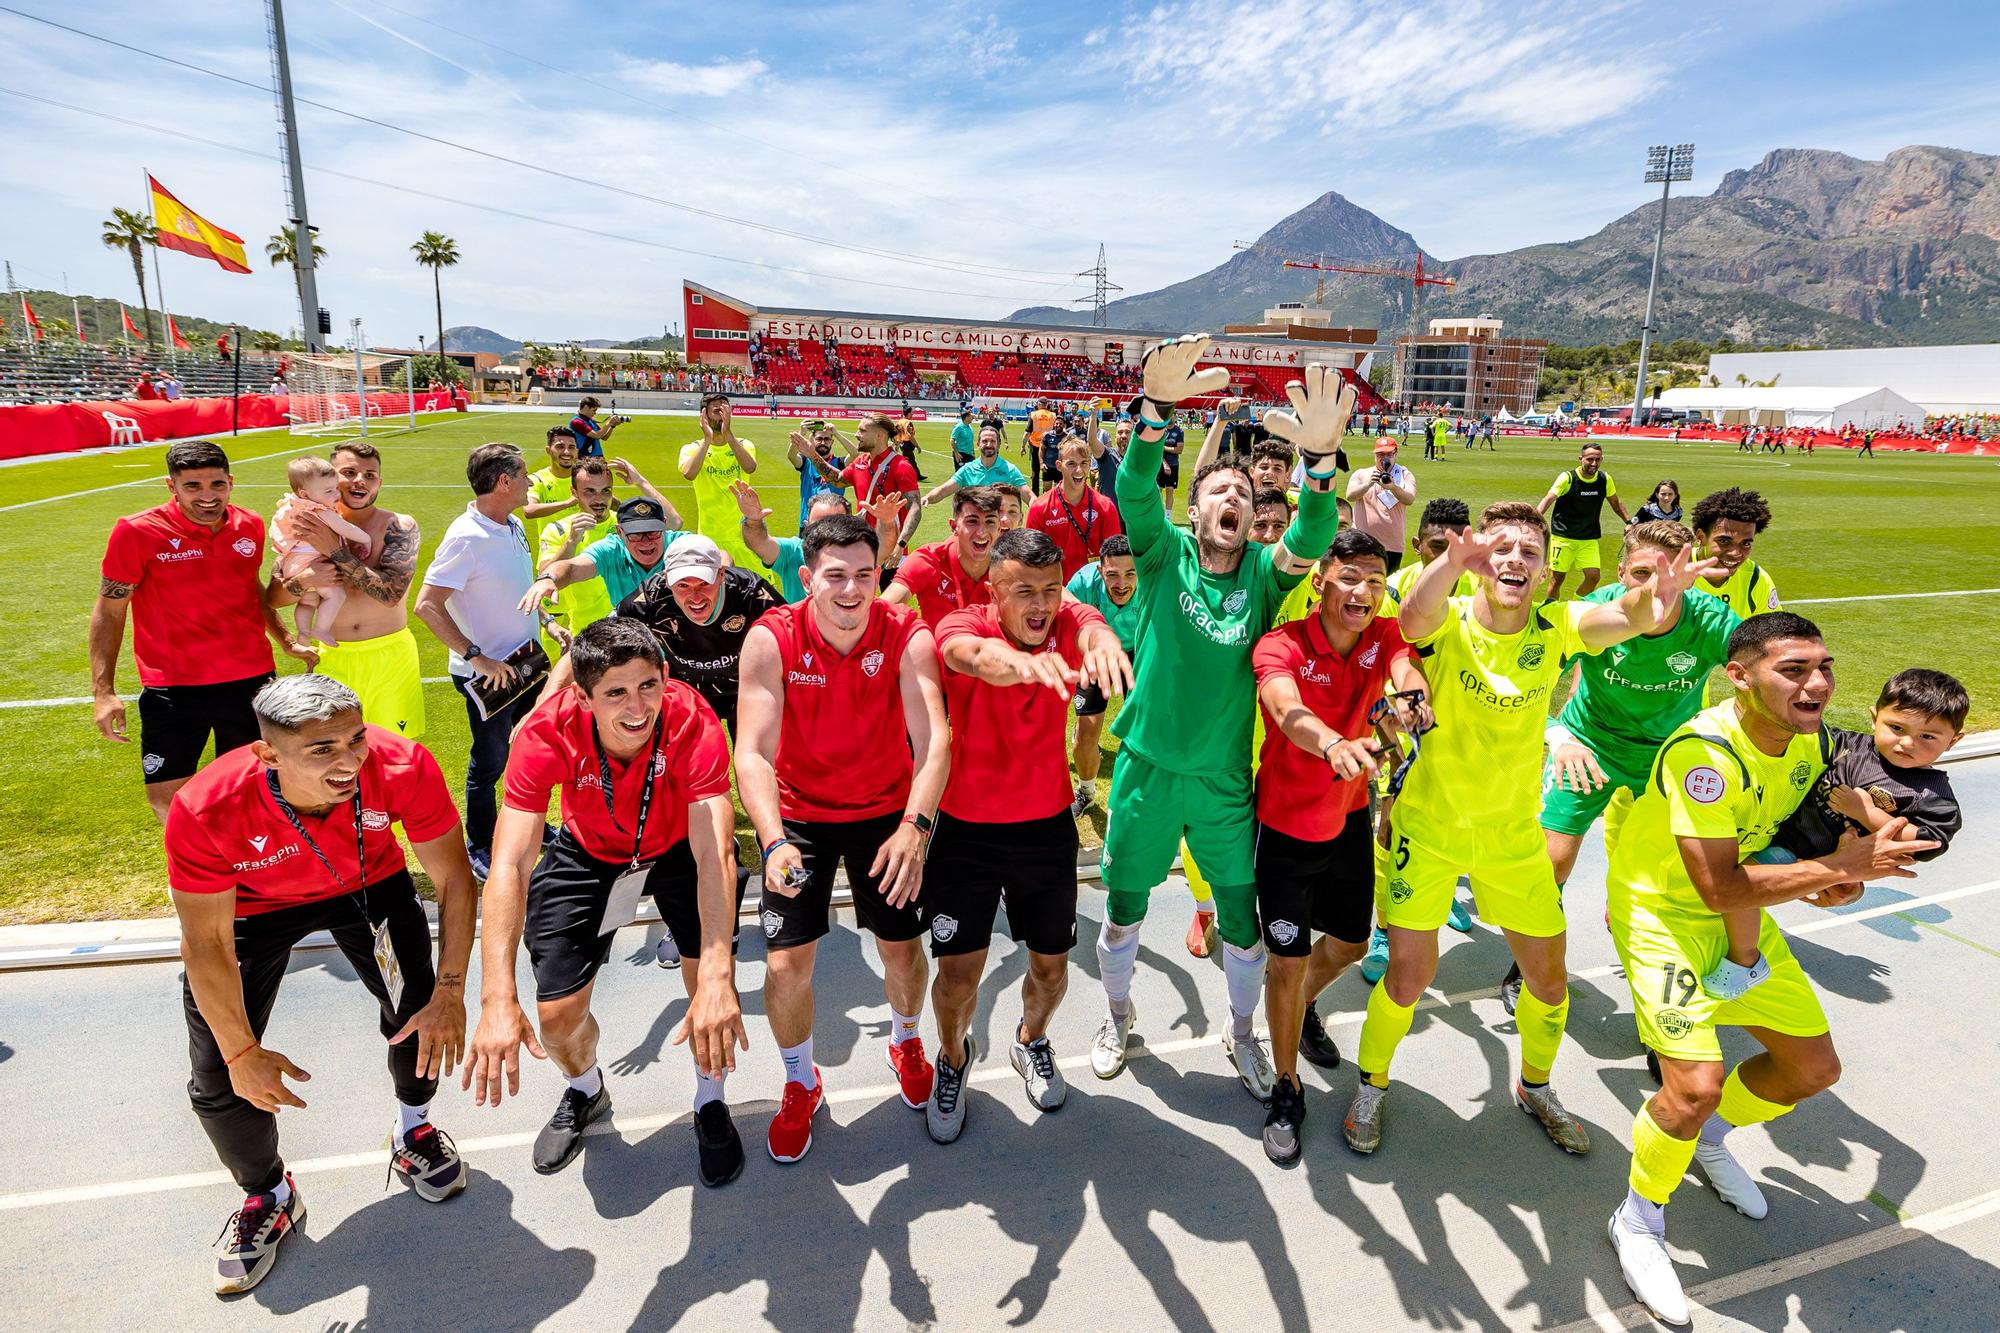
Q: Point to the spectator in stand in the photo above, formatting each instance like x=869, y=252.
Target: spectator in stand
x=170, y=387
x=143, y=389
x=278, y=387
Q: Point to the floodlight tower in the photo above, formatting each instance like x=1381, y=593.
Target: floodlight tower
x=1665, y=165
x=295, y=175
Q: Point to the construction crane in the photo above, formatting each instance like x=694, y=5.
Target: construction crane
x=1415, y=272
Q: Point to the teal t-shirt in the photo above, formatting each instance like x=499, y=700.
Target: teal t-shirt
x=1087, y=586
x=976, y=473
x=962, y=439
x=791, y=559
x=622, y=574
x=1633, y=695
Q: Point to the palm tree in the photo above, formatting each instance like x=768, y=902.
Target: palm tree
x=129, y=231
x=283, y=249
x=436, y=251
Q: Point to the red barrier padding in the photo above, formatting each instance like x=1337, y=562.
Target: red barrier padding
x=64, y=428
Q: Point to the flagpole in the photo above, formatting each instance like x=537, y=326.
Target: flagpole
x=159, y=287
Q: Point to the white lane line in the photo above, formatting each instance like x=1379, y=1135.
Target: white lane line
x=994, y=1074
x=1890, y=596
x=1704, y=1297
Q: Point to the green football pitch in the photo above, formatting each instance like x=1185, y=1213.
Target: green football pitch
x=1863, y=546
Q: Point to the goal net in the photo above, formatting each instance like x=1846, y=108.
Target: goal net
x=340, y=393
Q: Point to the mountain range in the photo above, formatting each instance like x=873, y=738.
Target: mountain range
x=1807, y=246
x=474, y=338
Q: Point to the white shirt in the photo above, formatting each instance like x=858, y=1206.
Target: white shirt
x=488, y=569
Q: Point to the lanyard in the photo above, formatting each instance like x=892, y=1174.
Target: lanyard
x=360, y=852
x=645, y=790
x=877, y=475
x=1089, y=511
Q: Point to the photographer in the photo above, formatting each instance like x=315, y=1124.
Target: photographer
x=590, y=437
x=1381, y=496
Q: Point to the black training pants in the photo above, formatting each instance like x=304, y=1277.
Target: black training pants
x=245, y=1138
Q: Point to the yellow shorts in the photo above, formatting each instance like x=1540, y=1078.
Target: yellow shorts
x=384, y=672
x=1513, y=881
x=1677, y=1017
x=1567, y=555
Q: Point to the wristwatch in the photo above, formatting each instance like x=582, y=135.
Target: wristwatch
x=471, y=651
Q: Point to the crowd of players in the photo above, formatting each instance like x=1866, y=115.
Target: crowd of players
x=1336, y=735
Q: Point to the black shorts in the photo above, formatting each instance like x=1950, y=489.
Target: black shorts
x=1170, y=471
x=801, y=918
x=1324, y=886
x=175, y=722
x=1089, y=700
x=1032, y=864
x=566, y=898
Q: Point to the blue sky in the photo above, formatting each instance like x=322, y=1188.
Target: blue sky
x=965, y=158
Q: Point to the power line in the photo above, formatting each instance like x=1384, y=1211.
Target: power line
x=495, y=209
x=966, y=268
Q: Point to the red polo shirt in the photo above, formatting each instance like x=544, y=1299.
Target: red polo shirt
x=1009, y=743
x=1297, y=791
x=843, y=748
x=197, y=599
x=556, y=747
x=1079, y=529
x=940, y=583
x=225, y=832
x=894, y=473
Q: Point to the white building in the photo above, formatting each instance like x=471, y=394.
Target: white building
x=1941, y=380
x=1819, y=406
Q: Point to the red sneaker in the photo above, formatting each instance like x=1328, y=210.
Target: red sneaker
x=792, y=1127
x=913, y=1072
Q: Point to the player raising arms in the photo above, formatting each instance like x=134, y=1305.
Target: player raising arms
x=841, y=755
x=1206, y=596
x=1004, y=827
x=1469, y=804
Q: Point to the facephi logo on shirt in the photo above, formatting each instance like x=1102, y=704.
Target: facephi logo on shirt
x=244, y=547
x=257, y=842
x=872, y=662
x=1368, y=658
x=1704, y=784
x=1233, y=604
x=1309, y=670
x=375, y=821
x=1682, y=663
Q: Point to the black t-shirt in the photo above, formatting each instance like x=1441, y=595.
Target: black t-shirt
x=1921, y=795
x=706, y=657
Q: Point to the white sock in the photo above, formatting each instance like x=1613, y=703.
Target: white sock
x=1641, y=1216
x=282, y=1191
x=799, y=1064
x=408, y=1117
x=903, y=1027
x=589, y=1082
x=707, y=1089
x=1243, y=970
x=1714, y=1130
x=1117, y=953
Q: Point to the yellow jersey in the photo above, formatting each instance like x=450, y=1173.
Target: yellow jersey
x=588, y=601
x=1405, y=578
x=1747, y=592
x=543, y=488
x=1708, y=781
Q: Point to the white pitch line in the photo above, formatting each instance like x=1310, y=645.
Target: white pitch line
x=1890, y=596
x=1704, y=1297
x=116, y=1189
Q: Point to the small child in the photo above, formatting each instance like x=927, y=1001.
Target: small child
x=315, y=491
x=1870, y=781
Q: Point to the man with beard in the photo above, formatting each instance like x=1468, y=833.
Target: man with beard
x=1719, y=789
x=1075, y=514
x=587, y=602
x=881, y=470
x=701, y=611
x=1207, y=595
x=376, y=655
x=950, y=575
x=1468, y=806
x=987, y=468
x=714, y=463
x=841, y=757
x=1004, y=826
x=785, y=556
x=623, y=560
x=1575, y=509
x=810, y=452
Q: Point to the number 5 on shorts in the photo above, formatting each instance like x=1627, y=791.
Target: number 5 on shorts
x=1677, y=976
x=1402, y=852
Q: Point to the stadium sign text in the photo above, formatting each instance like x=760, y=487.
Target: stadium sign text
x=925, y=335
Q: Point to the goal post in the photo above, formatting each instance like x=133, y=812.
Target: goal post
x=348, y=393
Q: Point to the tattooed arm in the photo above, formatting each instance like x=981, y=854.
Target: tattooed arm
x=388, y=581
x=107, y=635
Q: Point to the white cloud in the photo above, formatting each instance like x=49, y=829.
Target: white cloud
x=718, y=79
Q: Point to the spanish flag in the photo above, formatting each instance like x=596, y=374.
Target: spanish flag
x=182, y=229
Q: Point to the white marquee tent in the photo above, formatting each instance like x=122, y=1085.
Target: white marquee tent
x=1828, y=408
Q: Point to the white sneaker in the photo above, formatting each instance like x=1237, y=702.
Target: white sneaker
x=1252, y=1062
x=1107, y=1048
x=1036, y=1064
x=1363, y=1126
x=1081, y=798
x=666, y=953
x=1731, y=1182
x=1649, y=1272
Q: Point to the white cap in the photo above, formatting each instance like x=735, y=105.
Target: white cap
x=692, y=556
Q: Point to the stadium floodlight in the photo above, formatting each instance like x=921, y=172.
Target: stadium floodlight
x=1665, y=165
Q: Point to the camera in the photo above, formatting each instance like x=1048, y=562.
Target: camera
x=617, y=420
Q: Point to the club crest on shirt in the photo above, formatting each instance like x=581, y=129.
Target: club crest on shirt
x=943, y=928
x=375, y=821
x=153, y=763
x=1682, y=663
x=1531, y=656
x=1233, y=604
x=1674, y=1023
x=733, y=624
x=659, y=764
x=1284, y=932
x=243, y=546
x=1368, y=656
x=772, y=922
x=1801, y=774
x=872, y=662
x=1399, y=889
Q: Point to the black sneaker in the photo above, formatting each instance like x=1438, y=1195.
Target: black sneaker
x=1510, y=989
x=1284, y=1121
x=717, y=1143
x=562, y=1138
x=1314, y=1044
x=248, y=1245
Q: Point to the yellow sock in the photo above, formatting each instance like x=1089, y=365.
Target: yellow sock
x=1659, y=1160
x=1204, y=897
x=1381, y=1032
x=1541, y=1029
x=1740, y=1106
